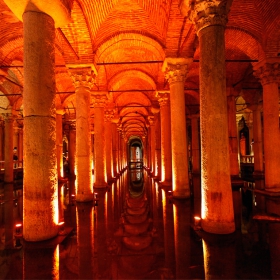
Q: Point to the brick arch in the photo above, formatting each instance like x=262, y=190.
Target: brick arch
x=244, y=42
x=121, y=79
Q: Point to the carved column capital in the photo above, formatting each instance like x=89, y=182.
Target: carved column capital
x=268, y=71
x=109, y=114
x=82, y=75
x=203, y=13
x=99, y=99
x=151, y=120
x=163, y=97
x=175, y=69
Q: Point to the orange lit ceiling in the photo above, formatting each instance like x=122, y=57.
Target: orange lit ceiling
x=128, y=40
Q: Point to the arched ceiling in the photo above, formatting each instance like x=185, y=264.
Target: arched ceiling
x=128, y=40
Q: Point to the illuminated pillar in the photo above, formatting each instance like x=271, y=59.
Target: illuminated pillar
x=99, y=99
x=232, y=130
x=268, y=73
x=217, y=206
x=40, y=212
x=109, y=114
x=195, y=145
x=115, y=148
x=165, y=123
x=72, y=151
x=20, y=146
x=258, y=140
x=83, y=78
x=152, y=143
x=9, y=146
x=59, y=145
x=157, y=173
x=1, y=140
x=175, y=72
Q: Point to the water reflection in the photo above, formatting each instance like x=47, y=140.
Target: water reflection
x=136, y=230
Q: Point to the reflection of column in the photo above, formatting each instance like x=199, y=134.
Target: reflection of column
x=232, y=131
x=182, y=238
x=219, y=257
x=72, y=151
x=41, y=264
x=40, y=176
x=109, y=114
x=268, y=72
x=217, y=208
x=59, y=146
x=175, y=71
x=85, y=240
x=99, y=140
x=166, y=157
x=9, y=217
x=9, y=132
x=258, y=141
x=168, y=228
x=83, y=78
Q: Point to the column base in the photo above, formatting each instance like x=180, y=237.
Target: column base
x=84, y=197
x=218, y=227
x=181, y=194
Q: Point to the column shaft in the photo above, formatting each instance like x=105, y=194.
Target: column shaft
x=9, y=165
x=195, y=145
x=59, y=146
x=40, y=212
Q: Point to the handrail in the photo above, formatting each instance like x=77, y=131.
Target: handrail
x=247, y=159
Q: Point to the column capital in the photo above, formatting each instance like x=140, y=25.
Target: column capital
x=109, y=114
x=268, y=71
x=151, y=120
x=60, y=111
x=163, y=97
x=99, y=98
x=8, y=117
x=203, y=13
x=175, y=69
x=83, y=75
x=59, y=10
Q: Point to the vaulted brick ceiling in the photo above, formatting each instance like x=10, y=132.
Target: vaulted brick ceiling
x=115, y=33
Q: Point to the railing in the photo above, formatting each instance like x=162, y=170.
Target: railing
x=16, y=164
x=247, y=159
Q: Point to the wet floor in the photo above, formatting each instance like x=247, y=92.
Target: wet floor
x=135, y=230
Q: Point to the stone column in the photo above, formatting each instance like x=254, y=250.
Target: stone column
x=59, y=144
x=99, y=99
x=195, y=145
x=258, y=141
x=9, y=146
x=115, y=148
x=152, y=146
x=72, y=151
x=210, y=18
x=20, y=146
x=157, y=173
x=1, y=140
x=40, y=212
x=83, y=78
x=232, y=130
x=268, y=73
x=175, y=71
x=109, y=114
x=165, y=122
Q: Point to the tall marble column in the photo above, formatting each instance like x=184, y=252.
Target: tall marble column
x=59, y=144
x=109, y=114
x=165, y=122
x=2, y=140
x=258, y=141
x=115, y=147
x=232, y=130
x=152, y=145
x=195, y=144
x=157, y=172
x=83, y=78
x=72, y=151
x=20, y=146
x=175, y=71
x=268, y=73
x=40, y=212
x=210, y=18
x=9, y=146
x=99, y=99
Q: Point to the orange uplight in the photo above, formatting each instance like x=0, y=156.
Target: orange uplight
x=18, y=225
x=61, y=223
